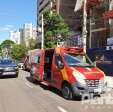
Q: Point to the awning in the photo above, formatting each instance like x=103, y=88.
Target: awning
x=108, y=14
x=92, y=3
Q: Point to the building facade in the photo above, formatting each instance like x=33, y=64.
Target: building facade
x=63, y=7
x=111, y=20
x=43, y=5
x=98, y=28
x=15, y=36
x=34, y=32
x=23, y=35
x=29, y=32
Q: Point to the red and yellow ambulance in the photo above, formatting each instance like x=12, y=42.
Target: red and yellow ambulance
x=69, y=70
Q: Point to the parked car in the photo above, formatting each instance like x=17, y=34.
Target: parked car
x=21, y=65
x=103, y=59
x=8, y=67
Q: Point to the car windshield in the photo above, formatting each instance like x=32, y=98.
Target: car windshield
x=6, y=61
x=78, y=60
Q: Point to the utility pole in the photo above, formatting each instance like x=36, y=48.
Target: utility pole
x=58, y=6
x=42, y=30
x=90, y=28
x=84, y=33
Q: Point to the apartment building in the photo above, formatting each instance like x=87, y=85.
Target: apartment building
x=21, y=36
x=29, y=32
x=24, y=34
x=34, y=32
x=63, y=7
x=110, y=19
x=43, y=5
x=98, y=28
x=15, y=36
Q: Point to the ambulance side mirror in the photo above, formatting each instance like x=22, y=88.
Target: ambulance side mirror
x=60, y=65
x=59, y=62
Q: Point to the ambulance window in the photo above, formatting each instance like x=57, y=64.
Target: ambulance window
x=47, y=60
x=37, y=59
x=59, y=62
x=77, y=60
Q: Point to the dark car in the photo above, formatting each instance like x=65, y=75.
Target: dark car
x=103, y=59
x=8, y=67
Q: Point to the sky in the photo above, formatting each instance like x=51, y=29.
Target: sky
x=14, y=13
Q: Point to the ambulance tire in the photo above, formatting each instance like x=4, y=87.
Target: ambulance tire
x=67, y=92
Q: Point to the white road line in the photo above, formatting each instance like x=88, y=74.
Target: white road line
x=61, y=109
x=27, y=84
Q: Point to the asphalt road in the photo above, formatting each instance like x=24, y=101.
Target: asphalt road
x=21, y=95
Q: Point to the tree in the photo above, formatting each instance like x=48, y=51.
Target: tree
x=7, y=44
x=54, y=27
x=0, y=50
x=33, y=44
x=5, y=47
x=18, y=51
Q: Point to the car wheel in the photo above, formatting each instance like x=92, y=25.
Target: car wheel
x=67, y=92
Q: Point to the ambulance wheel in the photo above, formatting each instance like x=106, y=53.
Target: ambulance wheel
x=67, y=92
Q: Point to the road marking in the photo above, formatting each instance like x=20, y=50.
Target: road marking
x=27, y=84
x=61, y=109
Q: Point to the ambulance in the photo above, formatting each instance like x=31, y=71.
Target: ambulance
x=28, y=59
x=69, y=70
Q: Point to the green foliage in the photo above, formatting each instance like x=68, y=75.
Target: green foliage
x=50, y=44
x=7, y=43
x=0, y=49
x=18, y=51
x=54, y=26
x=33, y=44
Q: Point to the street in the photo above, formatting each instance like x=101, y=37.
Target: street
x=67, y=45
x=21, y=95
